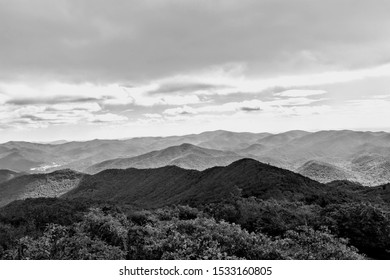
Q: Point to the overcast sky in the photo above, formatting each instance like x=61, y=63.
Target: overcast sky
x=84, y=69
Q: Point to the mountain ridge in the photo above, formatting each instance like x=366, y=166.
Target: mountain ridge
x=363, y=155
x=172, y=185
x=38, y=185
x=187, y=156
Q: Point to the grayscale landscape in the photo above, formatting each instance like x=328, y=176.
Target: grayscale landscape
x=194, y=130
x=325, y=156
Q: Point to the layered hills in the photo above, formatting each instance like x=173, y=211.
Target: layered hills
x=174, y=185
x=6, y=175
x=151, y=188
x=324, y=172
x=325, y=155
x=38, y=185
x=38, y=157
x=166, y=185
x=186, y=156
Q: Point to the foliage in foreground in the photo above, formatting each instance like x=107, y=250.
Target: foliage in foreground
x=178, y=232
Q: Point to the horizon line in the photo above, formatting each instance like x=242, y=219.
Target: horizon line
x=182, y=135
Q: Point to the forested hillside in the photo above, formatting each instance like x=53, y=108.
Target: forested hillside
x=247, y=210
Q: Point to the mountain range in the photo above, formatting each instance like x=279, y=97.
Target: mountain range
x=362, y=157
x=168, y=185
x=186, y=156
x=150, y=188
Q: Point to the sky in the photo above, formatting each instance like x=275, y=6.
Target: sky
x=85, y=69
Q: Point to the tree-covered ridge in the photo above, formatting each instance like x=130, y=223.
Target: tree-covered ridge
x=152, y=188
x=52, y=184
x=237, y=228
x=247, y=210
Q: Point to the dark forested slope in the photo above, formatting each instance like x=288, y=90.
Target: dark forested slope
x=171, y=184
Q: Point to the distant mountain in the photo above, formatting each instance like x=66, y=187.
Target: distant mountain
x=338, y=145
x=253, y=150
x=81, y=155
x=16, y=161
x=364, y=156
x=172, y=185
x=282, y=138
x=186, y=156
x=324, y=172
x=6, y=175
x=343, y=149
x=58, y=142
x=226, y=140
x=150, y=188
x=371, y=170
x=38, y=185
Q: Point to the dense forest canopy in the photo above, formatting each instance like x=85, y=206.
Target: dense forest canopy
x=236, y=228
x=247, y=210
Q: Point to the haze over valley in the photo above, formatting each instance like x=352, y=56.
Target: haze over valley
x=361, y=157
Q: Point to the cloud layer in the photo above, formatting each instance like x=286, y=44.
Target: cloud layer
x=95, y=40
x=186, y=65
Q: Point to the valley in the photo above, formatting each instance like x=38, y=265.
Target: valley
x=362, y=157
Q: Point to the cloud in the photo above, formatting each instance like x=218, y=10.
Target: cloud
x=186, y=110
x=172, y=87
x=300, y=93
x=3, y=98
x=293, y=101
x=108, y=94
x=90, y=107
x=250, y=109
x=279, y=106
x=49, y=100
x=107, y=118
x=203, y=85
x=141, y=98
x=210, y=64
x=178, y=100
x=41, y=116
x=250, y=105
x=93, y=40
x=152, y=116
x=52, y=92
x=232, y=82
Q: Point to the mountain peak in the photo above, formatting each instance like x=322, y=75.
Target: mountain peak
x=171, y=185
x=245, y=162
x=187, y=146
